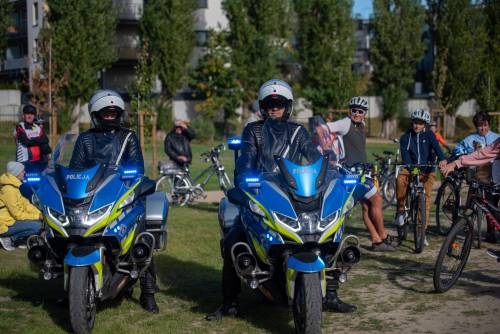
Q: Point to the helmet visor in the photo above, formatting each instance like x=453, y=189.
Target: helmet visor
x=274, y=103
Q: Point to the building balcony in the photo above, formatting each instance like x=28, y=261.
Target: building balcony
x=15, y=64
x=129, y=10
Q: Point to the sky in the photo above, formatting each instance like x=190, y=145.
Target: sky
x=363, y=7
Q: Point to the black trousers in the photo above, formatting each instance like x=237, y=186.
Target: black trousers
x=148, y=279
x=231, y=285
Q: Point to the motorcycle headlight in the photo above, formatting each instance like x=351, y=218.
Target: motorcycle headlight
x=129, y=199
x=58, y=217
x=331, y=219
x=255, y=208
x=292, y=223
x=98, y=215
x=308, y=223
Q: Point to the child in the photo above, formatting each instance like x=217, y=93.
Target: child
x=417, y=145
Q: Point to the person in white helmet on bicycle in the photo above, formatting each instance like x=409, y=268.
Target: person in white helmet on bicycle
x=417, y=146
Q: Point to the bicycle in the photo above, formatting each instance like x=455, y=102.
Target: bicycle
x=387, y=175
x=415, y=209
x=182, y=189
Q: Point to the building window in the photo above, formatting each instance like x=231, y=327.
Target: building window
x=201, y=37
x=202, y=4
x=35, y=13
x=35, y=50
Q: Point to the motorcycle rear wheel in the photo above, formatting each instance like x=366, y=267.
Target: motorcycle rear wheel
x=308, y=304
x=82, y=299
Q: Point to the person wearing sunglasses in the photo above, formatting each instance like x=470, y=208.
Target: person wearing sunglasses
x=274, y=135
x=352, y=135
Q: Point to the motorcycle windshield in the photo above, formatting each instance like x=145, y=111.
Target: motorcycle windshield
x=76, y=184
x=304, y=181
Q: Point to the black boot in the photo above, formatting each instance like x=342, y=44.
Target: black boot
x=148, y=302
x=334, y=303
x=148, y=289
x=227, y=309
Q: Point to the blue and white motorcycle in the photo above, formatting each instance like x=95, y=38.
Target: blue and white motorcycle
x=294, y=226
x=102, y=226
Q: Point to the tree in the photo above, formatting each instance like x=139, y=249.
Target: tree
x=83, y=43
x=489, y=81
x=5, y=21
x=215, y=79
x=459, y=42
x=325, y=45
x=168, y=25
x=258, y=31
x=396, y=49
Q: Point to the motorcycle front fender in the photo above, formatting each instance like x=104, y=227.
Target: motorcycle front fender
x=305, y=263
x=85, y=256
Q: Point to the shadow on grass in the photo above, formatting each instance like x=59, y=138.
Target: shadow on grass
x=210, y=207
x=201, y=284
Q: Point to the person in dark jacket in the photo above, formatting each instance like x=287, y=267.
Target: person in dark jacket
x=418, y=146
x=32, y=144
x=108, y=142
x=178, y=143
x=273, y=136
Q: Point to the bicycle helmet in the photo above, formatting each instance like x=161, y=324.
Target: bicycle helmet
x=358, y=102
x=275, y=90
x=102, y=101
x=421, y=114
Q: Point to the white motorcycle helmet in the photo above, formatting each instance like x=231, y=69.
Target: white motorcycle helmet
x=105, y=100
x=273, y=92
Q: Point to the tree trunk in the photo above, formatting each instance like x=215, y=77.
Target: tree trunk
x=388, y=128
x=449, y=125
x=75, y=118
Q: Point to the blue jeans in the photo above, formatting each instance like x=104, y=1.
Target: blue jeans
x=22, y=229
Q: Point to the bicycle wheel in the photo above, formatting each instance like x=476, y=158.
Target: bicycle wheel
x=453, y=256
x=389, y=190
x=418, y=221
x=477, y=222
x=176, y=187
x=447, y=205
x=224, y=182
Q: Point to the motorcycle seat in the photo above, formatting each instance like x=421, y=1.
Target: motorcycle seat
x=229, y=213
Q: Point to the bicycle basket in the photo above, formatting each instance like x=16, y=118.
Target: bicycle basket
x=169, y=167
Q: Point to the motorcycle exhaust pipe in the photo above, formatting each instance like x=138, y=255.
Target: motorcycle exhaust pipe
x=38, y=254
x=350, y=255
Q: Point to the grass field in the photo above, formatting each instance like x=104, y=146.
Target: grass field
x=393, y=291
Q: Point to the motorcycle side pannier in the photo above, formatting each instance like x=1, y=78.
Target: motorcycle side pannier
x=228, y=214
x=156, y=218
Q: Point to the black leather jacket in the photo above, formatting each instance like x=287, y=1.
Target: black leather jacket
x=98, y=146
x=260, y=144
x=179, y=144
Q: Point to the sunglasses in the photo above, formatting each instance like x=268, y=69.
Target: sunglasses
x=419, y=122
x=275, y=104
x=357, y=111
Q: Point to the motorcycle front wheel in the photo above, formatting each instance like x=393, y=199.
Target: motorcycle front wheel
x=308, y=304
x=82, y=299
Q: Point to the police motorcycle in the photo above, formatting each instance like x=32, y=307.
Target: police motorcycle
x=294, y=226
x=102, y=226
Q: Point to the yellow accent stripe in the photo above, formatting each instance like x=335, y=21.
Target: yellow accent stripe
x=128, y=241
x=114, y=213
x=290, y=273
x=261, y=253
x=56, y=227
x=341, y=220
x=98, y=267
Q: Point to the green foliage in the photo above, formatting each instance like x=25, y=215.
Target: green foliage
x=325, y=45
x=460, y=40
x=215, y=79
x=258, y=31
x=168, y=27
x=396, y=48
x=487, y=90
x=5, y=21
x=83, y=42
x=204, y=128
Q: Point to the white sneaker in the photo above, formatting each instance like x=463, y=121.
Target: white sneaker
x=7, y=244
x=400, y=219
x=426, y=243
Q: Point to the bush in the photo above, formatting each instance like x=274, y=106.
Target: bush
x=204, y=129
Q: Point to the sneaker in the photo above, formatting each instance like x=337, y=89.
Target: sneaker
x=7, y=244
x=400, y=219
x=426, y=243
x=382, y=247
